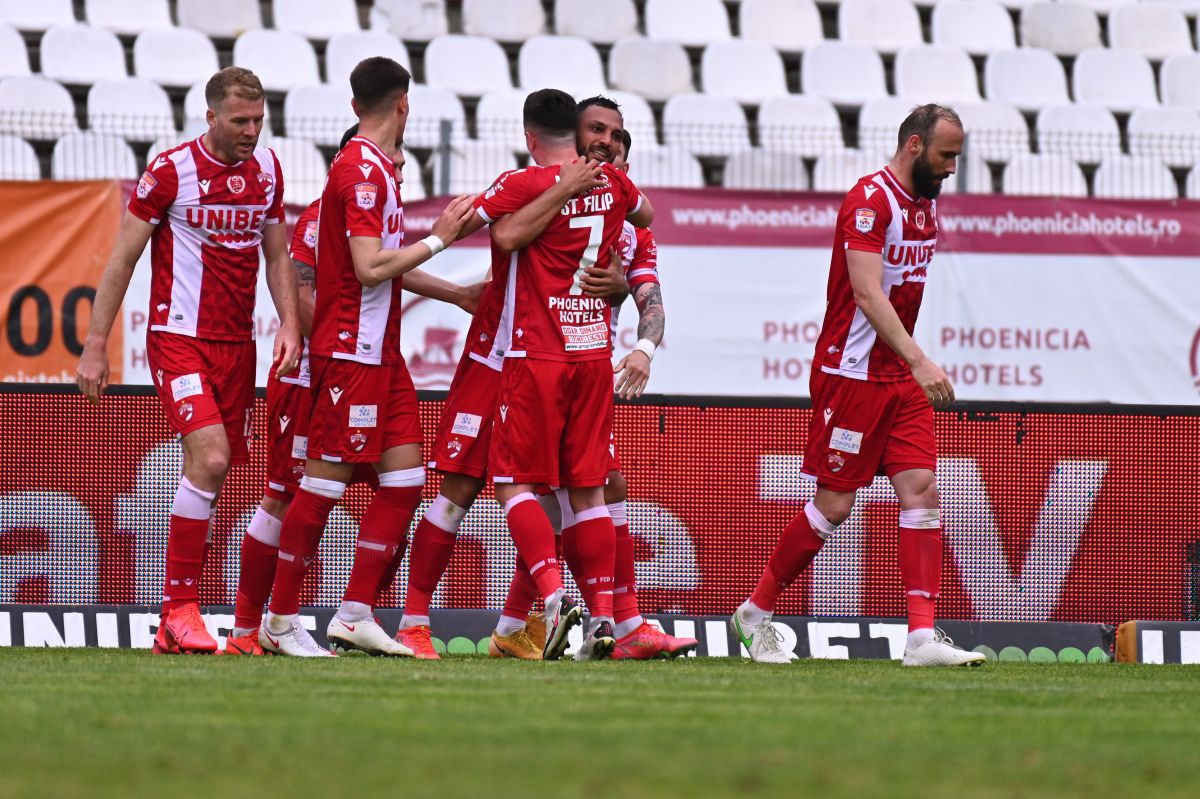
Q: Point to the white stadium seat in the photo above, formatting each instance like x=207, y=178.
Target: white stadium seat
x=466, y=65
x=638, y=117
x=225, y=19
x=655, y=70
x=1190, y=8
x=413, y=187
x=979, y=178
x=499, y=118
x=37, y=16
x=705, y=125
x=195, y=106
x=303, y=167
x=1121, y=80
x=693, y=23
x=564, y=62
x=18, y=159
x=411, y=20
x=319, y=113
x=92, y=156
x=1087, y=133
x=1193, y=182
x=135, y=108
x=936, y=73
x=978, y=26
x=474, y=165
x=428, y=107
x=1062, y=28
x=886, y=25
x=14, y=58
x=1171, y=133
x=767, y=170
x=579, y=18
x=799, y=124
x=1028, y=78
x=790, y=26
x=838, y=172
x=345, y=50
x=879, y=123
x=665, y=167
x=995, y=131
x=1044, y=175
x=128, y=16
x=1180, y=80
x=174, y=57
x=36, y=108
x=844, y=73
x=749, y=72
x=164, y=143
x=1135, y=178
x=1154, y=29
x=316, y=19
x=82, y=54
x=510, y=21
x=1103, y=6
x=280, y=59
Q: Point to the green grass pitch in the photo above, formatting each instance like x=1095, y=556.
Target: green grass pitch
x=92, y=723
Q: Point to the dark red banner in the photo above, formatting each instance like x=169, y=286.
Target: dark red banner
x=1064, y=516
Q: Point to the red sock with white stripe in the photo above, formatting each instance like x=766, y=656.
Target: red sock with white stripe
x=625, y=603
x=594, y=545
x=190, y=515
x=534, y=538
x=260, y=554
x=920, y=551
x=299, y=537
x=522, y=594
x=432, y=548
x=382, y=536
x=802, y=539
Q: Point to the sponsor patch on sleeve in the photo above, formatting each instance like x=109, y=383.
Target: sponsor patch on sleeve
x=467, y=424
x=364, y=415
x=845, y=440
x=186, y=386
x=310, y=234
x=364, y=195
x=146, y=185
x=864, y=220
x=300, y=447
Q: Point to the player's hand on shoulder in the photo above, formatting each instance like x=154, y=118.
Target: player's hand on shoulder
x=634, y=371
x=606, y=281
x=933, y=381
x=580, y=175
x=453, y=217
x=92, y=373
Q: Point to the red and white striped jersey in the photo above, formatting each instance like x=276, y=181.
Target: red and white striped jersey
x=303, y=250
x=639, y=254
x=877, y=216
x=353, y=321
x=546, y=313
x=204, y=253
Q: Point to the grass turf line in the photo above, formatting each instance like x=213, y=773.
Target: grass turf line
x=120, y=723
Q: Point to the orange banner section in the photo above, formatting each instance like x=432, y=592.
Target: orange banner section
x=56, y=239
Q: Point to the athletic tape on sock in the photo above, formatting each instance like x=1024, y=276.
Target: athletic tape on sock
x=921, y=519
x=403, y=478
x=445, y=515
x=265, y=528
x=517, y=500
x=618, y=512
x=820, y=525
x=191, y=502
x=330, y=489
x=599, y=512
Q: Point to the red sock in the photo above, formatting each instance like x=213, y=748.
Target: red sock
x=625, y=603
x=569, y=544
x=920, y=552
x=254, y=582
x=595, y=544
x=534, y=538
x=298, y=541
x=185, y=560
x=381, y=539
x=522, y=594
x=794, y=551
x=432, y=548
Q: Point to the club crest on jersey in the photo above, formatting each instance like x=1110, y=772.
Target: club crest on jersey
x=146, y=185
x=864, y=220
x=265, y=179
x=455, y=448
x=625, y=243
x=836, y=462
x=236, y=183
x=919, y=219
x=364, y=195
x=358, y=440
x=185, y=411
x=310, y=234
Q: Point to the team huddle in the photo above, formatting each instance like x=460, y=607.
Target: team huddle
x=531, y=404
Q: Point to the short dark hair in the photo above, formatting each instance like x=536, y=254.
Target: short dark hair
x=376, y=80
x=922, y=120
x=601, y=101
x=236, y=80
x=350, y=133
x=551, y=113
x=625, y=139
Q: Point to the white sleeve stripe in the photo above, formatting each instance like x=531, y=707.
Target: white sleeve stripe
x=637, y=207
x=640, y=272
x=484, y=215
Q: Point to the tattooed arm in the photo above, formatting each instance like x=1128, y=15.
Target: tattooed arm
x=306, y=281
x=634, y=368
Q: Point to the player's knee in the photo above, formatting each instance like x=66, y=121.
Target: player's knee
x=212, y=465
x=835, y=507
x=616, y=490
x=922, y=495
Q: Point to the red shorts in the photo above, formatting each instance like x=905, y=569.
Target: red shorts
x=465, y=428
x=553, y=423
x=360, y=410
x=289, y=407
x=861, y=429
x=202, y=383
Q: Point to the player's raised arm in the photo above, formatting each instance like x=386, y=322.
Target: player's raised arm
x=281, y=282
x=643, y=214
x=524, y=225
x=866, y=278
x=374, y=265
x=92, y=372
x=424, y=284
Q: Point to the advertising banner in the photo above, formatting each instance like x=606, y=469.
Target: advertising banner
x=1080, y=517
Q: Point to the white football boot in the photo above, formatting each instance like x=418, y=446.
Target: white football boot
x=941, y=651
x=295, y=641
x=597, y=644
x=762, y=642
x=560, y=617
x=364, y=636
